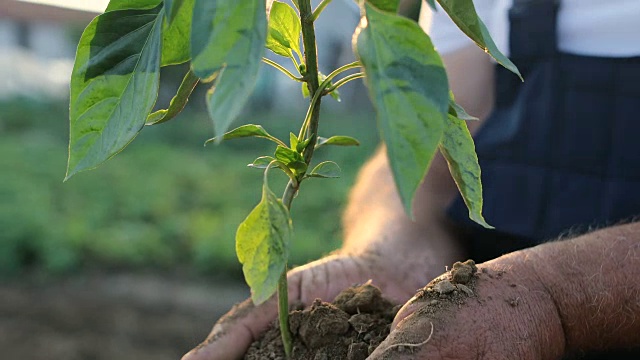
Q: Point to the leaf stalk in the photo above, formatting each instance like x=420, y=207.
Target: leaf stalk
x=320, y=8
x=282, y=69
x=343, y=81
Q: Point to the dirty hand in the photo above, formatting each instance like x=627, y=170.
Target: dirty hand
x=501, y=312
x=325, y=278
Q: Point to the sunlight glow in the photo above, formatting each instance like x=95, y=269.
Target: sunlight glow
x=97, y=6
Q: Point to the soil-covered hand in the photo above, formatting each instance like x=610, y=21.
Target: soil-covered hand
x=502, y=311
x=324, y=279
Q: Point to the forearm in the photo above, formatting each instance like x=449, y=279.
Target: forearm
x=375, y=221
x=594, y=281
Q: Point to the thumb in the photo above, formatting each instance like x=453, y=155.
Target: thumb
x=232, y=335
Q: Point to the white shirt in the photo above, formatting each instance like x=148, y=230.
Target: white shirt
x=608, y=28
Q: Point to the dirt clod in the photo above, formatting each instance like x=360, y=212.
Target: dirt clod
x=323, y=325
x=358, y=351
x=350, y=329
x=444, y=287
x=461, y=273
x=361, y=299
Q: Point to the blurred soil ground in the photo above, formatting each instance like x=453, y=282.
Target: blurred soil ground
x=109, y=316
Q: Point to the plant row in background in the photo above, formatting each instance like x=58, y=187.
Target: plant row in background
x=121, y=218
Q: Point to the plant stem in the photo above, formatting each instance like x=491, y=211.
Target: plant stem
x=283, y=287
x=318, y=10
x=282, y=69
x=283, y=308
x=311, y=62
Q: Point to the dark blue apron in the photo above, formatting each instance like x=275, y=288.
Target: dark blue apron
x=560, y=154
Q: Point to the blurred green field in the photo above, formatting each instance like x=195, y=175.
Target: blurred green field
x=165, y=203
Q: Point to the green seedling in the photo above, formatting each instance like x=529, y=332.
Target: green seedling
x=116, y=77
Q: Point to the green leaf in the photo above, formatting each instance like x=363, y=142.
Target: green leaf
x=178, y=102
x=339, y=140
x=262, y=245
x=228, y=38
x=114, y=84
x=132, y=4
x=432, y=4
x=293, y=141
x=463, y=13
x=409, y=89
x=335, y=94
x=262, y=162
x=302, y=145
x=385, y=5
x=249, y=130
x=284, y=30
x=176, y=33
x=305, y=90
x=298, y=167
x=326, y=169
x=287, y=156
x=458, y=149
x=457, y=110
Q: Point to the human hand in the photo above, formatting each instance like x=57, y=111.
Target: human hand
x=324, y=279
x=504, y=312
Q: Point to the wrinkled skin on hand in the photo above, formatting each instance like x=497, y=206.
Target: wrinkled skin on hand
x=323, y=279
x=509, y=316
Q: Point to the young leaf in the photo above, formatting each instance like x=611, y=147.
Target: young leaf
x=284, y=30
x=298, y=167
x=339, y=140
x=305, y=90
x=178, y=102
x=463, y=13
x=262, y=245
x=227, y=39
x=286, y=155
x=326, y=169
x=302, y=145
x=249, y=130
x=114, y=84
x=293, y=141
x=262, y=162
x=408, y=86
x=176, y=32
x=458, y=149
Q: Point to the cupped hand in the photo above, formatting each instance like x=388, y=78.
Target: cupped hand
x=324, y=279
x=503, y=313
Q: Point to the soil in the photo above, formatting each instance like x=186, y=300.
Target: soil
x=359, y=319
x=350, y=327
x=105, y=316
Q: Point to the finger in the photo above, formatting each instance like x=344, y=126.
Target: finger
x=406, y=310
x=244, y=323
x=233, y=333
x=411, y=337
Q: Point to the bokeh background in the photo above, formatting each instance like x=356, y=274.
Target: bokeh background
x=136, y=259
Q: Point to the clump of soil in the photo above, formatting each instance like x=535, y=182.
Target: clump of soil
x=350, y=328
x=452, y=288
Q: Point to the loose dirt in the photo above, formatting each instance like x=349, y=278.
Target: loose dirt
x=349, y=328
